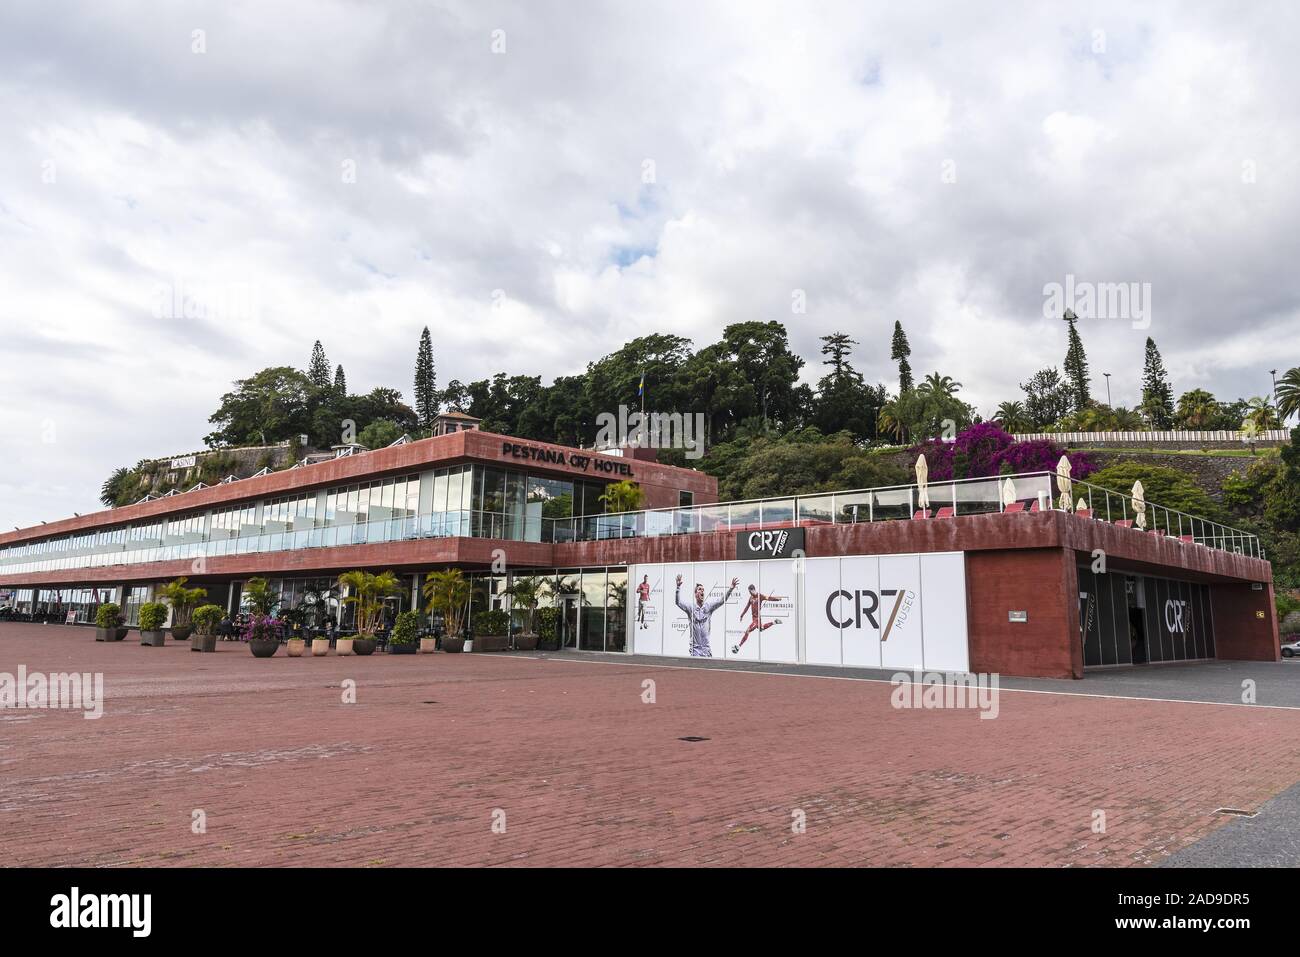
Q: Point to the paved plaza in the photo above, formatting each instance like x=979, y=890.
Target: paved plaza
x=559, y=760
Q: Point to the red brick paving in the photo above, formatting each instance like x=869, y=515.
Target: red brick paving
x=586, y=773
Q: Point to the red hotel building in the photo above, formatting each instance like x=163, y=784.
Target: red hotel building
x=865, y=578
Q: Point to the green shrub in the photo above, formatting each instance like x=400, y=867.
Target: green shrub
x=207, y=617
x=548, y=623
x=152, y=615
x=406, y=629
x=491, y=623
x=108, y=616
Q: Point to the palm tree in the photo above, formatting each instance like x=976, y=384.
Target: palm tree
x=115, y=487
x=939, y=385
x=1196, y=409
x=260, y=596
x=1288, y=394
x=1012, y=417
x=1261, y=415
x=183, y=600
x=623, y=496
x=449, y=593
x=367, y=591
x=527, y=591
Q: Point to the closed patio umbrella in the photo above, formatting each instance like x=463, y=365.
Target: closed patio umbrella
x=1063, y=481
x=922, y=474
x=1008, y=493
x=1139, y=505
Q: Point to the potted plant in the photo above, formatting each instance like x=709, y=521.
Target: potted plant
x=183, y=601
x=260, y=597
x=527, y=593
x=406, y=633
x=297, y=645
x=108, y=623
x=491, y=630
x=320, y=647
x=153, y=615
x=205, y=619
x=548, y=629
x=366, y=591
x=449, y=593
x=262, y=632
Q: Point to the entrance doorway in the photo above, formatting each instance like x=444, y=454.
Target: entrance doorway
x=568, y=621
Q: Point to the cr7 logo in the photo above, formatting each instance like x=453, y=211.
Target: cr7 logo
x=771, y=542
x=1174, y=610
x=865, y=603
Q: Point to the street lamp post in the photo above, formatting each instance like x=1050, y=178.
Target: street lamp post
x=1107, y=375
x=1273, y=373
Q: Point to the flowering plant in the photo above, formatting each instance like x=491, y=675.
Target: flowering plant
x=985, y=449
x=262, y=628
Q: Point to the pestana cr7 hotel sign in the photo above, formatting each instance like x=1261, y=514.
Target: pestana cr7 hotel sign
x=577, y=460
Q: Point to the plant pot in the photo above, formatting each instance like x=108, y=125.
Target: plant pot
x=453, y=645
x=320, y=647
x=548, y=644
x=525, y=642
x=182, y=632
x=105, y=634
x=343, y=646
x=118, y=633
x=153, y=639
x=428, y=646
x=491, y=643
x=402, y=649
x=296, y=647
x=264, y=647
x=203, y=643
x=363, y=646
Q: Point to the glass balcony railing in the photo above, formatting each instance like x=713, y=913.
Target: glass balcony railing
x=1039, y=491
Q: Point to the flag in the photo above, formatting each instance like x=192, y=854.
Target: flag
x=640, y=389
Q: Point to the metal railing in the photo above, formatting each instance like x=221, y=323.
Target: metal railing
x=960, y=497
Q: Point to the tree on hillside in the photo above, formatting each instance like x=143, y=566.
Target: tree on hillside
x=795, y=463
x=1196, y=409
x=426, y=382
x=340, y=381
x=1013, y=417
x=1260, y=415
x=268, y=407
x=1168, y=487
x=1048, y=397
x=900, y=351
x=1076, y=365
x=318, y=370
x=761, y=352
x=115, y=487
x=1157, y=395
x=843, y=401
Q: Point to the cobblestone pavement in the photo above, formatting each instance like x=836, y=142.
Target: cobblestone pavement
x=566, y=754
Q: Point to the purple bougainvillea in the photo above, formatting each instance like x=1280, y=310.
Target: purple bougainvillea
x=985, y=449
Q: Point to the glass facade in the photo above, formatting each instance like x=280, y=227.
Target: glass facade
x=1136, y=619
x=592, y=603
x=464, y=500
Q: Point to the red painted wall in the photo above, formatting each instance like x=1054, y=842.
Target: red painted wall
x=1239, y=631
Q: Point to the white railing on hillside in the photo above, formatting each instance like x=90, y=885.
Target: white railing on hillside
x=1223, y=435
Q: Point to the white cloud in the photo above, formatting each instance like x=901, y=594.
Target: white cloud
x=934, y=165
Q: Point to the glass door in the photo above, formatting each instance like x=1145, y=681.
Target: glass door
x=568, y=621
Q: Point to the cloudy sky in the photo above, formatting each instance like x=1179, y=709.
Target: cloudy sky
x=539, y=182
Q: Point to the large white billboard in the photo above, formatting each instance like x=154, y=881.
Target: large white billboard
x=899, y=612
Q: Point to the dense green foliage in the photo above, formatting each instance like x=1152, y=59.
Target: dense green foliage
x=797, y=462
x=152, y=615
x=1161, y=485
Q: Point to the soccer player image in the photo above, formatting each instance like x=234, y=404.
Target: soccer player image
x=700, y=614
x=642, y=596
x=752, y=608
